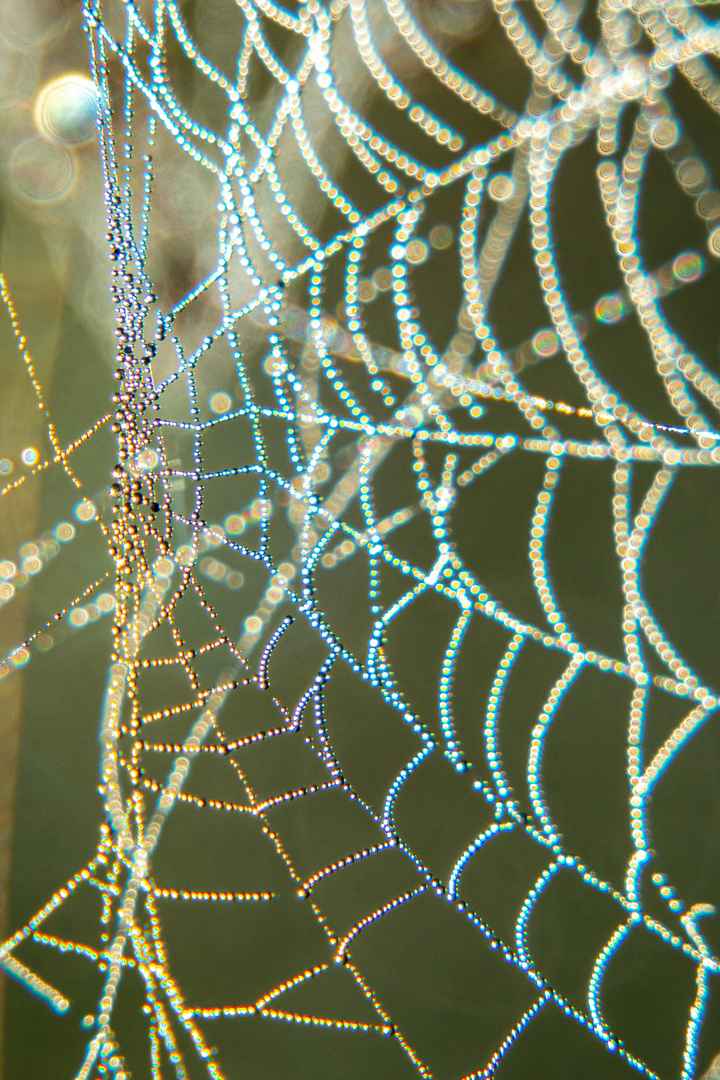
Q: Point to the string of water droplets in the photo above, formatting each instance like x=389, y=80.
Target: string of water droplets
x=282, y=336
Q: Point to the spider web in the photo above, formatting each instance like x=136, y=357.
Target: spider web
x=407, y=742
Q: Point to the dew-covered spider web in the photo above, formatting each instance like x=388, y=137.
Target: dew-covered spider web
x=407, y=530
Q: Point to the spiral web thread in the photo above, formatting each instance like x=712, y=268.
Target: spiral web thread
x=312, y=419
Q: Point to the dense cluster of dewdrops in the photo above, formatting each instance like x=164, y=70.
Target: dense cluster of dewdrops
x=165, y=548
